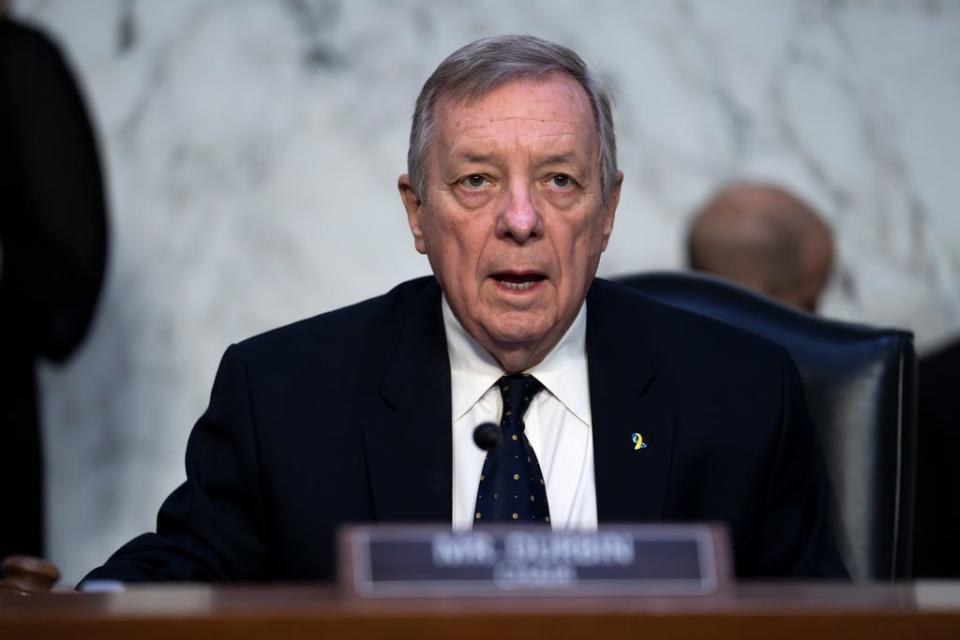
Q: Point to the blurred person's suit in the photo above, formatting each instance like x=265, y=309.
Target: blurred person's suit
x=52, y=254
x=936, y=553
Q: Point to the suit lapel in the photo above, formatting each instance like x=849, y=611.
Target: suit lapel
x=408, y=439
x=626, y=398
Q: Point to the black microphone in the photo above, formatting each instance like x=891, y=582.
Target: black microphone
x=488, y=436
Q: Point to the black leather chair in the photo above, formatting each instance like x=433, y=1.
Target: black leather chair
x=861, y=389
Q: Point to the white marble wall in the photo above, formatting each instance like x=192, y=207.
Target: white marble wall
x=252, y=148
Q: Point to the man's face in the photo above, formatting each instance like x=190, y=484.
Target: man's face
x=513, y=220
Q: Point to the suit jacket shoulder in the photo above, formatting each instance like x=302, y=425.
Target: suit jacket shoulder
x=669, y=334
x=306, y=430
x=343, y=335
x=728, y=436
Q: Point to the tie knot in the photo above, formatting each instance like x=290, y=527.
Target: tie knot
x=517, y=391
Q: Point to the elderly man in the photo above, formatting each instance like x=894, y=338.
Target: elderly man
x=617, y=409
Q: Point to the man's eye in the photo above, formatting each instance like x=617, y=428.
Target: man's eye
x=562, y=181
x=474, y=181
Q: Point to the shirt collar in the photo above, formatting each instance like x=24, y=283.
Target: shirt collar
x=563, y=372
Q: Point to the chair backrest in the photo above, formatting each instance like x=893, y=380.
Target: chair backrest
x=860, y=384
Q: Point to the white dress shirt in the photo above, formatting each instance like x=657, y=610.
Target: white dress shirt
x=557, y=423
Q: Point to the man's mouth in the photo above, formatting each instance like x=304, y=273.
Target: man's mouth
x=518, y=281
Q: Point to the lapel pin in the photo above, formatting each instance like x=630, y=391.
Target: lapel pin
x=638, y=441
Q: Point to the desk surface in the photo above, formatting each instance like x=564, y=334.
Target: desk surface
x=810, y=612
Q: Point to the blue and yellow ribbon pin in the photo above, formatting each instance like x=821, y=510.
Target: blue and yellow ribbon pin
x=638, y=441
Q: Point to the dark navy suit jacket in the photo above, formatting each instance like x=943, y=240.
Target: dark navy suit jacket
x=345, y=418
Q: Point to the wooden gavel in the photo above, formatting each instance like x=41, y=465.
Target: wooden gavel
x=27, y=575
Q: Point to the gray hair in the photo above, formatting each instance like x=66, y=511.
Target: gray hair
x=472, y=71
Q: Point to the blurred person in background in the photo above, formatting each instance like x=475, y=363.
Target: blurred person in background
x=53, y=239
x=937, y=530
x=766, y=239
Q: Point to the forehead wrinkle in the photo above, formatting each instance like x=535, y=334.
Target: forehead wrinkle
x=505, y=118
x=466, y=125
x=556, y=149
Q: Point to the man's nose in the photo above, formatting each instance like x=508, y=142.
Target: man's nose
x=520, y=218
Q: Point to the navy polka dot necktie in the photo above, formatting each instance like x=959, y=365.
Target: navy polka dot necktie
x=511, y=484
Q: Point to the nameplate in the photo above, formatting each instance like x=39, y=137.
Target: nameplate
x=415, y=561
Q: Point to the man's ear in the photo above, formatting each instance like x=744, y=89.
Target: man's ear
x=414, y=208
x=610, y=209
